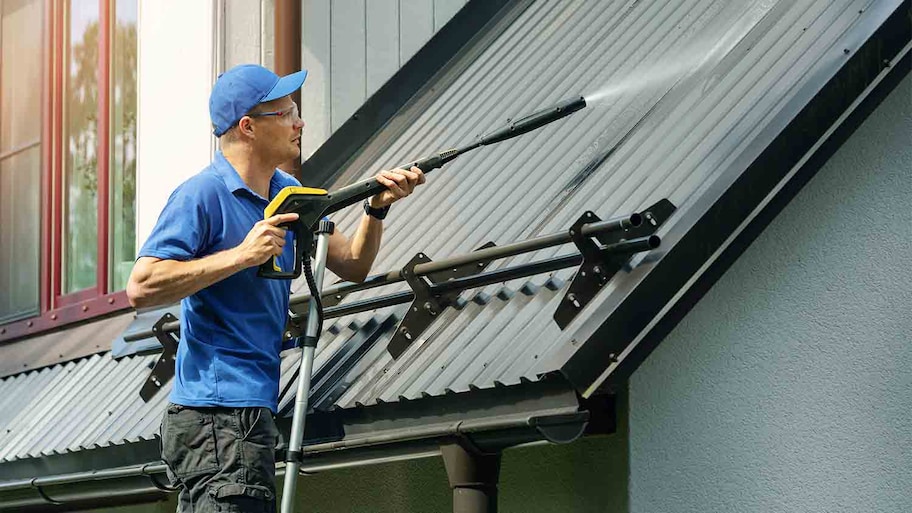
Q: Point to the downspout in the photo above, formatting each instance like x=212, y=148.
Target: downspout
x=473, y=476
x=218, y=52
x=288, y=24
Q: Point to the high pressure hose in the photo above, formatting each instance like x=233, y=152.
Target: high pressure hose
x=314, y=292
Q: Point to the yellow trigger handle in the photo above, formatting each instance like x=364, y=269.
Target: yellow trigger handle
x=275, y=206
x=286, y=201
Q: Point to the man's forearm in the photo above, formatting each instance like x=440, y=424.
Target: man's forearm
x=166, y=281
x=155, y=282
x=352, y=260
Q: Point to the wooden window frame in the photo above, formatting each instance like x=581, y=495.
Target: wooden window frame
x=58, y=309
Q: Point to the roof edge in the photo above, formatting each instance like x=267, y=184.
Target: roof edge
x=476, y=411
x=654, y=307
x=59, y=347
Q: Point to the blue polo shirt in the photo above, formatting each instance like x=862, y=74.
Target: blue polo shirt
x=231, y=331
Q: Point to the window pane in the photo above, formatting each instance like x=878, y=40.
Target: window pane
x=80, y=225
x=123, y=144
x=20, y=156
x=20, y=230
x=20, y=74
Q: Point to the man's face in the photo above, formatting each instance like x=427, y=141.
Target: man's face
x=278, y=127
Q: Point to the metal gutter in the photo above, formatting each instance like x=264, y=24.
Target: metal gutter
x=395, y=445
x=461, y=427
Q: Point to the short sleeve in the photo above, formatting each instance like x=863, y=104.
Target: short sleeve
x=182, y=230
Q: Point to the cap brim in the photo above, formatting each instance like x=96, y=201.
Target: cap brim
x=286, y=85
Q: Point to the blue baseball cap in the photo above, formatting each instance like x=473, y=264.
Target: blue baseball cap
x=242, y=88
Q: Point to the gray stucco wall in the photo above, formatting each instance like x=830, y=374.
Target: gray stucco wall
x=788, y=387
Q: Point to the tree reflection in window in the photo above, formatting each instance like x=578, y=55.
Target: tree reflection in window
x=81, y=143
x=80, y=226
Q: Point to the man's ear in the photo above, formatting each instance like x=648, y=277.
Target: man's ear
x=245, y=126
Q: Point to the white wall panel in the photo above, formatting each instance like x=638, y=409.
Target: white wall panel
x=316, y=57
x=444, y=10
x=349, y=62
x=382, y=42
x=352, y=47
x=249, y=28
x=416, y=26
x=243, y=22
x=175, y=76
x=267, y=22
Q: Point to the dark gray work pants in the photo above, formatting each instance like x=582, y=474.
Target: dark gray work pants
x=223, y=459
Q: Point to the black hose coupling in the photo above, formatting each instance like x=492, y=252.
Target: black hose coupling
x=325, y=226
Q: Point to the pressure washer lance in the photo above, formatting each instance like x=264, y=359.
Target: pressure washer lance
x=312, y=206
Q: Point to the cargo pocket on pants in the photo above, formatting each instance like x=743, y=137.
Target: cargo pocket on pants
x=242, y=498
x=188, y=442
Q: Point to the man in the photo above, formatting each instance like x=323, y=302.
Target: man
x=218, y=433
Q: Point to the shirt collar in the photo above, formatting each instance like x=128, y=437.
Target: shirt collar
x=233, y=180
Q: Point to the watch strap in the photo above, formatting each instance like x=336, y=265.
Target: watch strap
x=376, y=213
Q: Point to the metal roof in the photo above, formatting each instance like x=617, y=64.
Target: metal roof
x=50, y=348
x=685, y=135
x=701, y=84
x=91, y=402
x=492, y=340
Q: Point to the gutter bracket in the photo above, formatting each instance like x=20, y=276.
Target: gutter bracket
x=599, y=264
x=562, y=429
x=156, y=482
x=47, y=498
x=163, y=370
x=426, y=307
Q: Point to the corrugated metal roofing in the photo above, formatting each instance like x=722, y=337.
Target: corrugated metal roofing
x=491, y=339
x=696, y=82
x=92, y=402
x=685, y=136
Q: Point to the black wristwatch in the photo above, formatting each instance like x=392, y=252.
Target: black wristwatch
x=376, y=213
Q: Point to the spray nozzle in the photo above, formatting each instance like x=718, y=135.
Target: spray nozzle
x=535, y=120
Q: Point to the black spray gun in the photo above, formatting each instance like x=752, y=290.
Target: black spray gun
x=312, y=205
